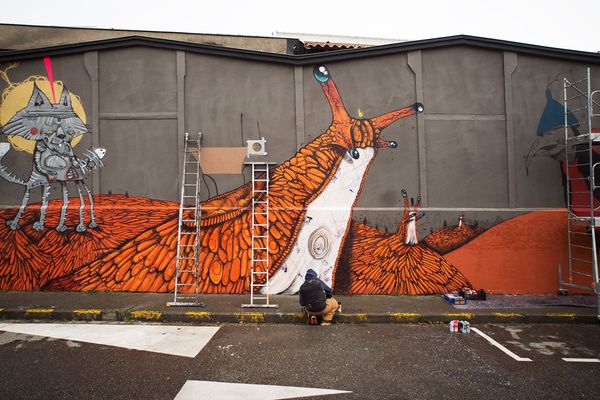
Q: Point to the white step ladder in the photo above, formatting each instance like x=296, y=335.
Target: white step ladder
x=259, y=274
x=188, y=227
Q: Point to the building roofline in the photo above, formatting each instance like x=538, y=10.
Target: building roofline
x=141, y=31
x=304, y=59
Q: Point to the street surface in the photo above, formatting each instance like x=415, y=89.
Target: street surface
x=372, y=361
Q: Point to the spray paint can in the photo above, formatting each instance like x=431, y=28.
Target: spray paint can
x=455, y=325
x=451, y=326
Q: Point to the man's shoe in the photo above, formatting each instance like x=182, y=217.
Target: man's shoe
x=325, y=323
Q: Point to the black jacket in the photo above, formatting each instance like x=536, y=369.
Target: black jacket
x=314, y=292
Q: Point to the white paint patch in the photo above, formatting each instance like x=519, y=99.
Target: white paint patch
x=327, y=219
x=9, y=337
x=185, y=341
x=582, y=360
x=519, y=345
x=205, y=390
x=514, y=332
x=498, y=345
x=549, y=348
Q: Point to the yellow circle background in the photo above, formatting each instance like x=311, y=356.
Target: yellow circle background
x=18, y=98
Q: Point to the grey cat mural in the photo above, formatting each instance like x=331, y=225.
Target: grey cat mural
x=52, y=127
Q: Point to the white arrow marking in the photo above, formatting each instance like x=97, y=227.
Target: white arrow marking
x=498, y=345
x=206, y=390
x=583, y=360
x=185, y=341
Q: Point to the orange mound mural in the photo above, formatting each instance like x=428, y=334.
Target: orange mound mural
x=452, y=237
x=517, y=256
x=384, y=263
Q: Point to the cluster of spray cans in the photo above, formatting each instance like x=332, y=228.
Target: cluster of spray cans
x=459, y=326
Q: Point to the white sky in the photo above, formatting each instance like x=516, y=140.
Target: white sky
x=573, y=24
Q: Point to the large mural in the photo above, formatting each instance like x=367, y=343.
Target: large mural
x=129, y=243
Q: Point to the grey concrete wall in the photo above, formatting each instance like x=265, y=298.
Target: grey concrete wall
x=466, y=153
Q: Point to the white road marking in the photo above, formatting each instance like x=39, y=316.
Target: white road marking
x=185, y=341
x=498, y=345
x=582, y=360
x=206, y=390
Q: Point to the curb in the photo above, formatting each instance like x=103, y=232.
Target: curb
x=206, y=317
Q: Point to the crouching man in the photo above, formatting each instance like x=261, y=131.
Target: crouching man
x=316, y=298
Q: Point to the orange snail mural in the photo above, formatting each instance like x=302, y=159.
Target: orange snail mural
x=312, y=196
x=396, y=263
x=314, y=191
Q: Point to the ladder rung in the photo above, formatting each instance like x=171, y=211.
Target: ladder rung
x=189, y=196
x=186, y=258
x=260, y=297
x=187, y=245
x=259, y=272
x=188, y=208
x=259, y=236
x=189, y=233
x=259, y=260
x=185, y=284
x=260, y=191
x=259, y=285
x=261, y=180
x=260, y=225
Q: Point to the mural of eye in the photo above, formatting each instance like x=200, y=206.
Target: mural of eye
x=354, y=154
x=321, y=74
x=393, y=144
x=319, y=243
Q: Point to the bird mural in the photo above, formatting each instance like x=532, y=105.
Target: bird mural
x=311, y=200
x=550, y=142
x=395, y=263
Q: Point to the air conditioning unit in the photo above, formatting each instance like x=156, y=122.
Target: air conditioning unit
x=256, y=147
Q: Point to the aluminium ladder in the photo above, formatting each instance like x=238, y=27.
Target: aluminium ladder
x=259, y=273
x=188, y=227
x=580, y=171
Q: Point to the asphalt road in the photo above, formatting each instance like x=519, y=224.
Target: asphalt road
x=388, y=361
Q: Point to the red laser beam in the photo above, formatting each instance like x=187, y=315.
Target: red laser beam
x=48, y=65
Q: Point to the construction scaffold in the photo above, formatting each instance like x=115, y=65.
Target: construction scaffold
x=582, y=162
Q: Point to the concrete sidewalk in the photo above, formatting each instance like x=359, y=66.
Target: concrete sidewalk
x=104, y=306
